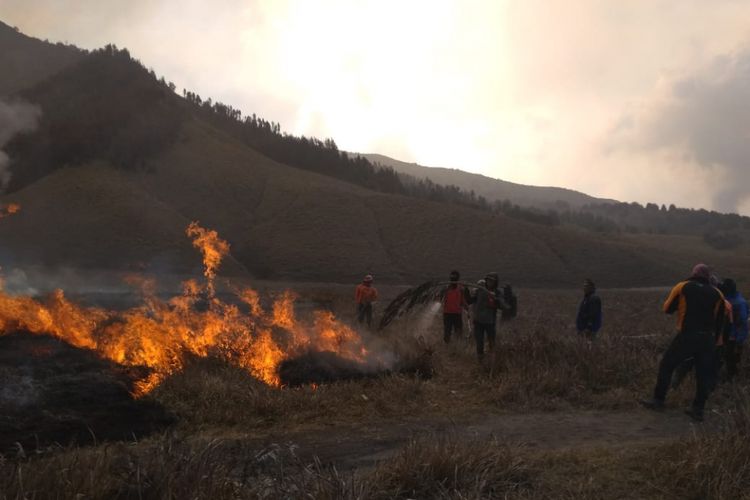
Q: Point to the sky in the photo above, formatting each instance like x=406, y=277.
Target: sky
x=638, y=100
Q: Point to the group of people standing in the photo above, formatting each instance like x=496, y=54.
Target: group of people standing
x=712, y=327
x=483, y=303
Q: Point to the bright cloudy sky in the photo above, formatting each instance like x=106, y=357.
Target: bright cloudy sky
x=644, y=100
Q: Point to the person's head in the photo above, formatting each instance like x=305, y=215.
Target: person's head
x=367, y=280
x=491, y=281
x=588, y=286
x=455, y=276
x=728, y=287
x=701, y=271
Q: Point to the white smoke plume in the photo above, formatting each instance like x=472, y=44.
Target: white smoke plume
x=15, y=117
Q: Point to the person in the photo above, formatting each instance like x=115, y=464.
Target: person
x=455, y=300
x=684, y=368
x=589, y=317
x=487, y=301
x=364, y=295
x=737, y=328
x=511, y=300
x=700, y=313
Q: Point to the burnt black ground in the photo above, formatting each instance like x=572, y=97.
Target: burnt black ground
x=54, y=393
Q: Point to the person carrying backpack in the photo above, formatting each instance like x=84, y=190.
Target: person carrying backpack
x=700, y=315
x=486, y=302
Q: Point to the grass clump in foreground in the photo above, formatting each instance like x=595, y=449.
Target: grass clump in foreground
x=713, y=465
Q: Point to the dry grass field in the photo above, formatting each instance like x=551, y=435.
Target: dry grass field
x=553, y=416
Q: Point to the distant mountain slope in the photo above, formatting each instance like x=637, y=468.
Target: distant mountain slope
x=492, y=189
x=25, y=61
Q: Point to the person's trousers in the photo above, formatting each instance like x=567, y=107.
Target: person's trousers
x=482, y=330
x=732, y=356
x=364, y=313
x=452, y=322
x=686, y=345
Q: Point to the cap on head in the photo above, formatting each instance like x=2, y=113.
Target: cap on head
x=455, y=276
x=492, y=276
x=701, y=271
x=367, y=278
x=588, y=283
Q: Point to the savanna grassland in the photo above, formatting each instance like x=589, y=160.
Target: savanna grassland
x=553, y=416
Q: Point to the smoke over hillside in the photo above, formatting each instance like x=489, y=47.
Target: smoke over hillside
x=15, y=117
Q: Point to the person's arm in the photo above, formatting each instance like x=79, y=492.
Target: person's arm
x=673, y=301
x=596, y=314
x=720, y=316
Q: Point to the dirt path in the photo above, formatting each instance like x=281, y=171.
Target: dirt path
x=362, y=446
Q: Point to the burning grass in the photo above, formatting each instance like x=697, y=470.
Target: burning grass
x=160, y=334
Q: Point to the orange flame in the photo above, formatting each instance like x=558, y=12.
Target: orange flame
x=160, y=333
x=9, y=209
x=213, y=248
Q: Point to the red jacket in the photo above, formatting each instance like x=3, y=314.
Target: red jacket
x=365, y=294
x=454, y=300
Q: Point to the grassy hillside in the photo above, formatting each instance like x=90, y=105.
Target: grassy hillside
x=26, y=61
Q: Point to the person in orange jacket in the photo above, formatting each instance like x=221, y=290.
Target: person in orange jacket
x=364, y=295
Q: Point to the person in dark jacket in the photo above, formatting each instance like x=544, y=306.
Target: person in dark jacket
x=589, y=318
x=486, y=302
x=455, y=300
x=700, y=314
x=737, y=328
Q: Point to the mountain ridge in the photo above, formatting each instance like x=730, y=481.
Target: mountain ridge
x=99, y=209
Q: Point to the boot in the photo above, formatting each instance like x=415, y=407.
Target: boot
x=652, y=404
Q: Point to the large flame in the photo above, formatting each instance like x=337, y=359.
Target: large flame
x=160, y=333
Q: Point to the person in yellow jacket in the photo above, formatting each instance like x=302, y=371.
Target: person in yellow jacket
x=364, y=295
x=700, y=309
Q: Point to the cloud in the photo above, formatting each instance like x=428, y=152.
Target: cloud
x=15, y=117
x=699, y=124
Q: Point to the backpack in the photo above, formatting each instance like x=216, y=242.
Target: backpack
x=511, y=300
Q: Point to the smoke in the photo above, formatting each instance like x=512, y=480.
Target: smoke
x=15, y=117
x=700, y=125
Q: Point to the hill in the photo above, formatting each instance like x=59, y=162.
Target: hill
x=542, y=197
x=25, y=61
x=114, y=186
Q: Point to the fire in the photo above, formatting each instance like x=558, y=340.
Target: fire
x=159, y=333
x=9, y=209
x=213, y=248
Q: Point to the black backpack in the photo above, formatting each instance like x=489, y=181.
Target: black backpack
x=511, y=300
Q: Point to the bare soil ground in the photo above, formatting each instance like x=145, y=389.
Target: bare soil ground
x=361, y=446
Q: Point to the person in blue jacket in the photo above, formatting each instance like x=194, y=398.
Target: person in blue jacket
x=589, y=318
x=737, y=330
